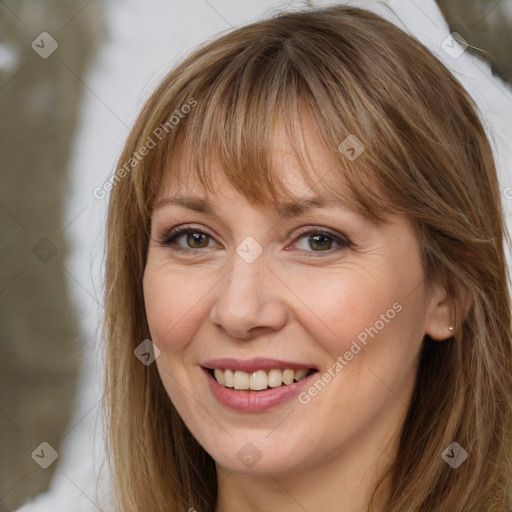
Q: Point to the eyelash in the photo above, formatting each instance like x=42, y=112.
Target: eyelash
x=169, y=240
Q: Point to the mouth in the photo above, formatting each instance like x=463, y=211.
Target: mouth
x=259, y=380
x=256, y=385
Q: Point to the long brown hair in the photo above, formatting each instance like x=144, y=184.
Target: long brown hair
x=346, y=71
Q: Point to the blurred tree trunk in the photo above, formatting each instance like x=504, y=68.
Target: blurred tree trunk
x=41, y=348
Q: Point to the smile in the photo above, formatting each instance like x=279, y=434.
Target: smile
x=256, y=385
x=260, y=379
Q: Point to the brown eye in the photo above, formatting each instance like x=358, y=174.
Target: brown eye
x=321, y=241
x=198, y=238
x=194, y=239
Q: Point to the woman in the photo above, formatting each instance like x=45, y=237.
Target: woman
x=307, y=300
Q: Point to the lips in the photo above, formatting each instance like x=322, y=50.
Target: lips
x=253, y=365
x=255, y=385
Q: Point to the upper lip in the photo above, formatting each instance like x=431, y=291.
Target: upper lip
x=252, y=365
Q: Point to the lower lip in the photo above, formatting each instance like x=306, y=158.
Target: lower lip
x=254, y=401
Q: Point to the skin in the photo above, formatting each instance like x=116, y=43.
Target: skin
x=209, y=302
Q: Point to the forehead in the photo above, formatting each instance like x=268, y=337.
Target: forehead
x=300, y=196
x=316, y=173
x=188, y=182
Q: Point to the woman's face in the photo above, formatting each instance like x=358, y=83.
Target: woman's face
x=254, y=295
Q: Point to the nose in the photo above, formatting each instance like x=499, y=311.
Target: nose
x=249, y=300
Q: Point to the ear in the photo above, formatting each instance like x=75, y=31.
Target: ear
x=438, y=319
x=441, y=312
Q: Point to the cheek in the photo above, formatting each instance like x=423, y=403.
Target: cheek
x=373, y=320
x=344, y=307
x=372, y=334
x=172, y=310
x=173, y=303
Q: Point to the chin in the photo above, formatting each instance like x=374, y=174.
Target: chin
x=259, y=452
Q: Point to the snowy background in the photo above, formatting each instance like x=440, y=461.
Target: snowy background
x=144, y=40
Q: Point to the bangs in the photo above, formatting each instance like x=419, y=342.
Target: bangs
x=247, y=105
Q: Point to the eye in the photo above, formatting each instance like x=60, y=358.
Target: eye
x=321, y=241
x=194, y=239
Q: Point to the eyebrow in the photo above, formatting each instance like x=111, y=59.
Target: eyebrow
x=285, y=209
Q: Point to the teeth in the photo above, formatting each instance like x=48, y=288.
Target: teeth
x=300, y=374
x=258, y=380
x=288, y=376
x=219, y=375
x=241, y=380
x=228, y=378
x=275, y=378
